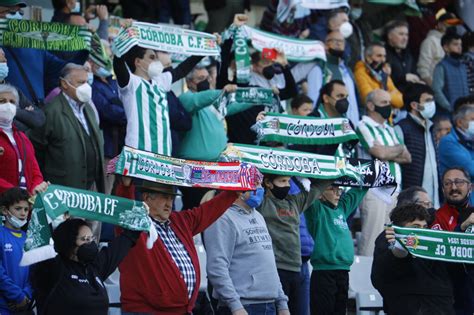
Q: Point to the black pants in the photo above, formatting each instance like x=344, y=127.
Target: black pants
x=291, y=283
x=419, y=305
x=328, y=292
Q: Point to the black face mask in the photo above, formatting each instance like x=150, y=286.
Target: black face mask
x=376, y=66
x=342, y=106
x=455, y=55
x=268, y=72
x=203, y=86
x=280, y=192
x=86, y=253
x=385, y=111
x=336, y=53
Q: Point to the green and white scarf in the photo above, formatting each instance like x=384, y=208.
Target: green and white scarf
x=437, y=245
x=43, y=35
x=58, y=200
x=304, y=130
x=290, y=163
x=165, y=38
x=298, y=50
x=164, y=169
x=242, y=56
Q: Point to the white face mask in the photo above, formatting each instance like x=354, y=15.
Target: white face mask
x=7, y=113
x=346, y=29
x=155, y=69
x=356, y=13
x=15, y=222
x=84, y=93
x=429, y=110
x=90, y=78
x=16, y=16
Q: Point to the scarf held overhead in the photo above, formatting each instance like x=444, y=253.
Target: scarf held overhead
x=165, y=38
x=298, y=50
x=58, y=200
x=437, y=245
x=304, y=130
x=172, y=171
x=43, y=35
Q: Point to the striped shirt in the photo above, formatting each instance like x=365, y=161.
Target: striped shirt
x=178, y=252
x=146, y=108
x=370, y=131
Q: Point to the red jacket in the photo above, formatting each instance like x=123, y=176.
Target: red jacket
x=150, y=281
x=9, y=176
x=446, y=218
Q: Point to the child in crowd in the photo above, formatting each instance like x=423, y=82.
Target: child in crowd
x=15, y=289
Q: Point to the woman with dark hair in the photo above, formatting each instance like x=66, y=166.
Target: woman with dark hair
x=72, y=282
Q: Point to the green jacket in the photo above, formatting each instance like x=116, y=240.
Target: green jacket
x=60, y=146
x=333, y=246
x=208, y=136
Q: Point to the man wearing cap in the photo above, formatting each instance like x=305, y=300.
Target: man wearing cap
x=431, y=51
x=166, y=278
x=32, y=70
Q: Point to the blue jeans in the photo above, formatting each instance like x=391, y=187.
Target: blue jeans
x=303, y=297
x=252, y=309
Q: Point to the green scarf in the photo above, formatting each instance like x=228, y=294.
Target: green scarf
x=304, y=130
x=437, y=245
x=299, y=50
x=164, y=169
x=165, y=38
x=242, y=56
x=58, y=200
x=43, y=35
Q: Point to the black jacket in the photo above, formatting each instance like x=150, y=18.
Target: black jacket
x=400, y=278
x=63, y=286
x=401, y=63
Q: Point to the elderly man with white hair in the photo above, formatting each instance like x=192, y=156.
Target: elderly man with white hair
x=70, y=146
x=17, y=156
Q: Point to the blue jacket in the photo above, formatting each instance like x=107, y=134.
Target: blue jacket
x=14, y=283
x=454, y=150
x=42, y=68
x=113, y=121
x=306, y=240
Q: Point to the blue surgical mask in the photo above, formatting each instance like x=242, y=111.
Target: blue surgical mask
x=470, y=130
x=77, y=7
x=103, y=73
x=256, y=198
x=3, y=70
x=17, y=16
x=90, y=78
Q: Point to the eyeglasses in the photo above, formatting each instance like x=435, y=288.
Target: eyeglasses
x=336, y=191
x=335, y=40
x=88, y=238
x=426, y=204
x=458, y=182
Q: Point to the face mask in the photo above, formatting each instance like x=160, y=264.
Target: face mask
x=90, y=78
x=336, y=53
x=470, y=130
x=203, y=85
x=16, y=16
x=103, y=73
x=280, y=192
x=84, y=93
x=7, y=113
x=342, y=106
x=385, y=111
x=376, y=66
x=256, y=198
x=15, y=222
x=3, y=70
x=155, y=69
x=77, y=8
x=356, y=13
x=429, y=110
x=268, y=72
x=346, y=29
x=86, y=253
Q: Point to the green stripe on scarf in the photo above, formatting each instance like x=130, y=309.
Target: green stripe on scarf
x=43, y=35
x=437, y=245
x=58, y=200
x=172, y=171
x=304, y=130
x=165, y=38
